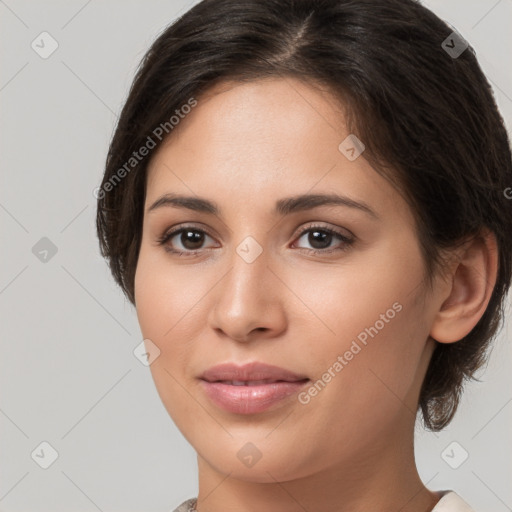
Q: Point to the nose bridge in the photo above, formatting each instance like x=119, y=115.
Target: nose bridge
x=246, y=298
x=248, y=277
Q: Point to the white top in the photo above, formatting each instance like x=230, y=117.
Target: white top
x=449, y=502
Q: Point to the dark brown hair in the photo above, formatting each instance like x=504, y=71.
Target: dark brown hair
x=426, y=115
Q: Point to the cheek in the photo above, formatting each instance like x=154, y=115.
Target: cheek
x=380, y=325
x=365, y=395
x=374, y=291
x=151, y=303
x=170, y=305
x=164, y=307
x=162, y=296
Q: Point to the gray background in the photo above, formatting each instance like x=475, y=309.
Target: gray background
x=68, y=373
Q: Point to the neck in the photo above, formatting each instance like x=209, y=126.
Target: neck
x=384, y=477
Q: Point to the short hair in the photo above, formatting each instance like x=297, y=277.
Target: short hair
x=426, y=115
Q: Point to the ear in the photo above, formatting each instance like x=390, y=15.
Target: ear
x=472, y=277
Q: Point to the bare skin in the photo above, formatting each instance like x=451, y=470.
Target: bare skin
x=350, y=447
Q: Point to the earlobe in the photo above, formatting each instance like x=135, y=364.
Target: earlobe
x=472, y=283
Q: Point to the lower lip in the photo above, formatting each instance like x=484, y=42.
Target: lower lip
x=250, y=399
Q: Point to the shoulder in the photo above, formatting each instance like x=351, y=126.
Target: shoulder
x=187, y=506
x=451, y=502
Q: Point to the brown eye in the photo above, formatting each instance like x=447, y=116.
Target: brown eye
x=321, y=239
x=191, y=239
x=184, y=240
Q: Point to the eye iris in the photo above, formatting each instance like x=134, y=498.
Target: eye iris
x=194, y=240
x=313, y=239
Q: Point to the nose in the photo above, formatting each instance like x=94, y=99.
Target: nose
x=248, y=301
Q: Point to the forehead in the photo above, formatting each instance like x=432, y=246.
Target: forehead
x=263, y=139
x=258, y=121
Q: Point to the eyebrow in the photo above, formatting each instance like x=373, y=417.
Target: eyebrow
x=283, y=206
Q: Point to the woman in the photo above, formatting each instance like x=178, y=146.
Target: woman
x=305, y=200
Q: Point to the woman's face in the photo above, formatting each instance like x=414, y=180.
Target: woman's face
x=332, y=292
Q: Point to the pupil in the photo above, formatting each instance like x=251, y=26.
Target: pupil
x=321, y=239
x=193, y=241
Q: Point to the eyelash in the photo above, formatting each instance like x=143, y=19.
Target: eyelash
x=347, y=242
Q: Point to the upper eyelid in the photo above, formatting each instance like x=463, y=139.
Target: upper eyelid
x=313, y=225
x=178, y=229
x=327, y=228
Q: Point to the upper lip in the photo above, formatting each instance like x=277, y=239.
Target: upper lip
x=249, y=372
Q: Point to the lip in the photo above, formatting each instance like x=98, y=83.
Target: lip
x=250, y=371
x=252, y=398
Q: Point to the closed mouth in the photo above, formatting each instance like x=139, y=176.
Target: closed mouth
x=255, y=382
